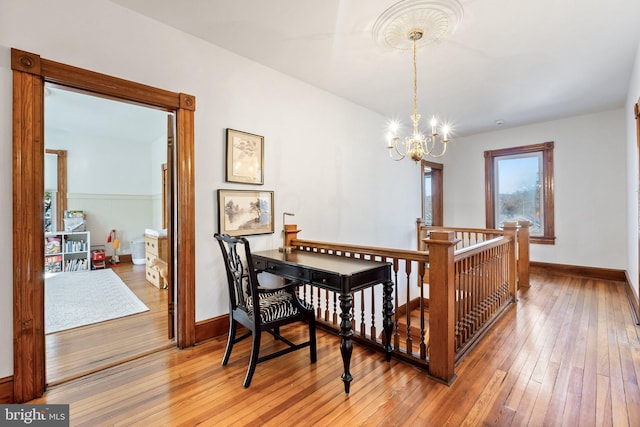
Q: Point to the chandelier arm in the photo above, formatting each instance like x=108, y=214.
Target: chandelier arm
x=399, y=154
x=444, y=150
x=430, y=145
x=395, y=147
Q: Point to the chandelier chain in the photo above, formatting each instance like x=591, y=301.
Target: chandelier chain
x=415, y=77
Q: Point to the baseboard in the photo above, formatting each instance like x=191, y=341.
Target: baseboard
x=6, y=390
x=633, y=301
x=580, y=271
x=594, y=273
x=211, y=328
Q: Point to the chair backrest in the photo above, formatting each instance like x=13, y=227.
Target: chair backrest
x=241, y=276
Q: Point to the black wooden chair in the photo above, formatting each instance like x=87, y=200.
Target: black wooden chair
x=259, y=309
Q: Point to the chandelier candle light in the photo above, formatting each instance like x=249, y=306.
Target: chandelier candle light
x=417, y=146
x=410, y=23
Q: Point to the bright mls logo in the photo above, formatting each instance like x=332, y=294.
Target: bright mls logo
x=34, y=415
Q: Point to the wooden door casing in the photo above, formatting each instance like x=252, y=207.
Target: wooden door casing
x=30, y=71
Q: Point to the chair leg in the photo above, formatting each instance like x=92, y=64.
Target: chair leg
x=233, y=326
x=253, y=360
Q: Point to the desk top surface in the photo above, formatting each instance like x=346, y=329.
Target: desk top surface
x=325, y=262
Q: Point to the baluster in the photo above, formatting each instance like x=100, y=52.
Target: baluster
x=486, y=270
x=335, y=308
x=326, y=302
x=396, y=316
x=363, y=327
x=473, y=294
x=423, y=346
x=479, y=291
x=486, y=307
x=373, y=314
x=319, y=311
x=462, y=297
x=467, y=295
x=409, y=340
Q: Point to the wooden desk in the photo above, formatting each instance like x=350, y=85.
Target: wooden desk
x=338, y=274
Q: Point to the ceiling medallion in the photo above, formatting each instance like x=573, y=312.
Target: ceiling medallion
x=435, y=19
x=410, y=24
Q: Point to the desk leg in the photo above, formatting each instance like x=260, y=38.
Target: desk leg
x=346, y=332
x=387, y=322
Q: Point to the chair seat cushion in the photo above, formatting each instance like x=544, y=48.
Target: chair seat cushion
x=274, y=306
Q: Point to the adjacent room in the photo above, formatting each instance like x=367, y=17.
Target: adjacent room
x=105, y=172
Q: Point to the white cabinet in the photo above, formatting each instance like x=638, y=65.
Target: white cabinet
x=67, y=251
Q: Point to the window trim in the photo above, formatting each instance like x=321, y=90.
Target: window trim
x=547, y=182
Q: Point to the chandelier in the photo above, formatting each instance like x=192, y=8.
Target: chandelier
x=411, y=24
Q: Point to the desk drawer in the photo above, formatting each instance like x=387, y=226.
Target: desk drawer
x=326, y=280
x=259, y=264
x=289, y=271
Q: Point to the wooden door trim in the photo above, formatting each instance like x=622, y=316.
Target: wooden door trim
x=30, y=71
x=61, y=194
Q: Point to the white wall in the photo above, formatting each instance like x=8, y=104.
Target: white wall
x=105, y=165
x=116, y=181
x=590, y=186
x=325, y=158
x=633, y=96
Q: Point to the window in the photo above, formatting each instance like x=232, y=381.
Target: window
x=519, y=186
x=432, y=193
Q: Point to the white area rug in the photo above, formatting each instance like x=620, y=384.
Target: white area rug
x=80, y=298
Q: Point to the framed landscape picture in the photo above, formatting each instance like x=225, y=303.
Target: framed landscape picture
x=245, y=157
x=245, y=212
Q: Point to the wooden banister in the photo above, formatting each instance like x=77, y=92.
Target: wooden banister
x=364, y=250
x=524, y=234
x=442, y=304
x=466, y=291
x=473, y=236
x=511, y=230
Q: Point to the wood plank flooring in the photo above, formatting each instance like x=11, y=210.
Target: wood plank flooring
x=567, y=354
x=78, y=351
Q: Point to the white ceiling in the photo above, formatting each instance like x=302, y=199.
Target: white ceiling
x=101, y=120
x=520, y=61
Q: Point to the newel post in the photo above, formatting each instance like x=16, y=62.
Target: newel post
x=523, y=253
x=419, y=224
x=511, y=230
x=442, y=304
x=290, y=234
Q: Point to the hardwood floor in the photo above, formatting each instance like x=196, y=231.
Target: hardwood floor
x=78, y=351
x=567, y=354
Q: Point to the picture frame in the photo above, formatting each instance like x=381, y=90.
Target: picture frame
x=245, y=212
x=245, y=157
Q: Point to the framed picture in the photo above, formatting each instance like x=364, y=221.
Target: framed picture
x=245, y=212
x=245, y=157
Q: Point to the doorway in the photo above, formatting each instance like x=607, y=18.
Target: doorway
x=30, y=72
x=432, y=193
x=104, y=177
